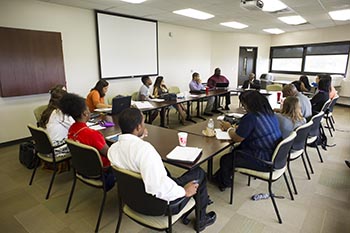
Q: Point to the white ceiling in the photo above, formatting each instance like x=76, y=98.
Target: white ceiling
x=314, y=11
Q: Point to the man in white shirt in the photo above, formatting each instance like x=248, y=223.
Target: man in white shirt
x=132, y=153
x=144, y=95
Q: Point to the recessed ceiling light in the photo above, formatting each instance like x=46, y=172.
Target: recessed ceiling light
x=235, y=25
x=189, y=12
x=293, y=20
x=273, y=30
x=273, y=5
x=134, y=1
x=340, y=15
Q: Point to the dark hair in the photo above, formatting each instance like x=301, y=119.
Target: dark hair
x=304, y=79
x=56, y=94
x=99, y=87
x=195, y=74
x=73, y=105
x=324, y=84
x=144, y=79
x=129, y=119
x=255, y=102
x=297, y=84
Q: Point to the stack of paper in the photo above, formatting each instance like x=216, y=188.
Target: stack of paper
x=142, y=104
x=184, y=154
x=222, y=135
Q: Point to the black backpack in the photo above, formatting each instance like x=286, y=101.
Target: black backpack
x=27, y=155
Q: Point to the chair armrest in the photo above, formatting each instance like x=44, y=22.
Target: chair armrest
x=178, y=204
x=59, y=145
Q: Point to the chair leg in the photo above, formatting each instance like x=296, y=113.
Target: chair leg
x=329, y=127
x=274, y=203
x=308, y=161
x=288, y=186
x=34, y=171
x=232, y=186
x=248, y=180
x=331, y=123
x=71, y=193
x=51, y=182
x=292, y=179
x=319, y=153
x=306, y=170
x=101, y=211
x=333, y=119
x=119, y=218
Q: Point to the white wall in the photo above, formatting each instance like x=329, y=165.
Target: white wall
x=225, y=53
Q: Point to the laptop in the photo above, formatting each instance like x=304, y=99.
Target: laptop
x=119, y=103
x=221, y=85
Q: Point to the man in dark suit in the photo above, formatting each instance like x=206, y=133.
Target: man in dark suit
x=251, y=83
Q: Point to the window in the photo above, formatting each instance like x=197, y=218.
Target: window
x=329, y=58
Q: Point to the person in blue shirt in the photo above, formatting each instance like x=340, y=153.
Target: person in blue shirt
x=258, y=134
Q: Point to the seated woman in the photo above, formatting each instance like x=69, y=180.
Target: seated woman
x=305, y=85
x=258, y=133
x=332, y=92
x=321, y=96
x=75, y=106
x=95, y=98
x=290, y=117
x=159, y=88
x=55, y=122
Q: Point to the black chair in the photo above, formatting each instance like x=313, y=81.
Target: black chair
x=277, y=167
x=328, y=115
x=87, y=167
x=45, y=151
x=144, y=208
x=312, y=138
x=297, y=150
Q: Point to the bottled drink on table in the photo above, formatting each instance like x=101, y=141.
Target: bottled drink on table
x=211, y=124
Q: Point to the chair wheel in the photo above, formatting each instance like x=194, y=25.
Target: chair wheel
x=186, y=221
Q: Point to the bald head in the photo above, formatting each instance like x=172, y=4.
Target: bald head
x=289, y=90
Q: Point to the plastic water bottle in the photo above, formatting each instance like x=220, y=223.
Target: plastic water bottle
x=211, y=124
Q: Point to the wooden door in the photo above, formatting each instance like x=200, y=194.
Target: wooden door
x=247, y=63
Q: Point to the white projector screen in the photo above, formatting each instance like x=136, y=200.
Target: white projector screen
x=127, y=46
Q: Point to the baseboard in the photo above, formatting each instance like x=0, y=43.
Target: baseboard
x=14, y=142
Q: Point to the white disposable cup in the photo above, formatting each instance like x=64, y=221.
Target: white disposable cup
x=182, y=138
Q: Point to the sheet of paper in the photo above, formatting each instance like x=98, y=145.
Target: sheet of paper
x=97, y=127
x=235, y=115
x=157, y=100
x=89, y=124
x=142, y=104
x=183, y=153
x=222, y=135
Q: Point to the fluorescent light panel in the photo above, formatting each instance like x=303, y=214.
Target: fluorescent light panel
x=234, y=24
x=293, y=20
x=196, y=14
x=273, y=30
x=134, y=1
x=273, y=5
x=342, y=15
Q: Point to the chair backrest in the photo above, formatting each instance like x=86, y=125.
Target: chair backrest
x=326, y=105
x=333, y=102
x=135, y=96
x=174, y=89
x=280, y=155
x=38, y=111
x=131, y=190
x=302, y=133
x=42, y=140
x=316, y=119
x=274, y=87
x=85, y=160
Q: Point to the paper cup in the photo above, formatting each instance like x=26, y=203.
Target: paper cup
x=182, y=138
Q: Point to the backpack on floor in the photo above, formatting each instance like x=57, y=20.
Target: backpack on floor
x=27, y=155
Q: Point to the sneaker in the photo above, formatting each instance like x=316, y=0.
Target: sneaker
x=210, y=218
x=260, y=196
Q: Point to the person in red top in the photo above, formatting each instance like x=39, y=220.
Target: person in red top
x=218, y=78
x=75, y=106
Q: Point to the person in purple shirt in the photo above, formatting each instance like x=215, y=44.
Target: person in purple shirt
x=196, y=85
x=218, y=78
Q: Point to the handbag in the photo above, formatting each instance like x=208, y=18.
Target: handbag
x=27, y=154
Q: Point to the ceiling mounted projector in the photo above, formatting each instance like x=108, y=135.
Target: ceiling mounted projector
x=252, y=5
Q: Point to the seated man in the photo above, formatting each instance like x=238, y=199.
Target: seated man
x=196, y=85
x=251, y=83
x=218, y=78
x=132, y=153
x=145, y=95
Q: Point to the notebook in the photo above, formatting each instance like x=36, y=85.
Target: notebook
x=221, y=85
x=119, y=103
x=185, y=154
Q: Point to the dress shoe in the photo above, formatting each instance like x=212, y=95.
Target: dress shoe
x=347, y=162
x=207, y=114
x=208, y=220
